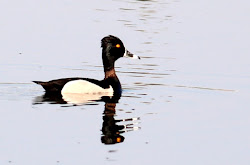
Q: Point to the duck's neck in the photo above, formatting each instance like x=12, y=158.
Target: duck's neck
x=109, y=70
x=112, y=79
x=110, y=74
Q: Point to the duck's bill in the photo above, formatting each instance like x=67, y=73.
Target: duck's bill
x=130, y=55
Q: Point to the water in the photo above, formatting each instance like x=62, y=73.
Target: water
x=186, y=100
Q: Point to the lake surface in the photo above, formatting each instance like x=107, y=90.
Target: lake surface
x=185, y=102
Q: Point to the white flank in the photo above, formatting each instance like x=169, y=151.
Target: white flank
x=85, y=87
x=82, y=91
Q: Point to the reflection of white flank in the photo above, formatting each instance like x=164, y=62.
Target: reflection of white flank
x=79, y=98
x=82, y=91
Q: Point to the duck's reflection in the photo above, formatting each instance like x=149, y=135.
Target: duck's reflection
x=49, y=98
x=111, y=130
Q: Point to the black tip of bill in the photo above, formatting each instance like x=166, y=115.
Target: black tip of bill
x=130, y=55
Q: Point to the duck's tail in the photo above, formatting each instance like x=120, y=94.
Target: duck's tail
x=38, y=82
x=43, y=84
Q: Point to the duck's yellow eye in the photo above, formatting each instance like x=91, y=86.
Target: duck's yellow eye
x=118, y=139
x=118, y=45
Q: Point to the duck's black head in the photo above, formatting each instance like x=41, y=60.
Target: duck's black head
x=113, y=49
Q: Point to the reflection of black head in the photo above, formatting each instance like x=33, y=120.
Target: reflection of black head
x=110, y=129
x=112, y=139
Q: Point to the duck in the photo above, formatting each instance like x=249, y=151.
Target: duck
x=112, y=49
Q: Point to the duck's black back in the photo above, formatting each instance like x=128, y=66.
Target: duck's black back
x=55, y=86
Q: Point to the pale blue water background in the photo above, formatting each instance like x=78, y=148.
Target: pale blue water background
x=190, y=89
